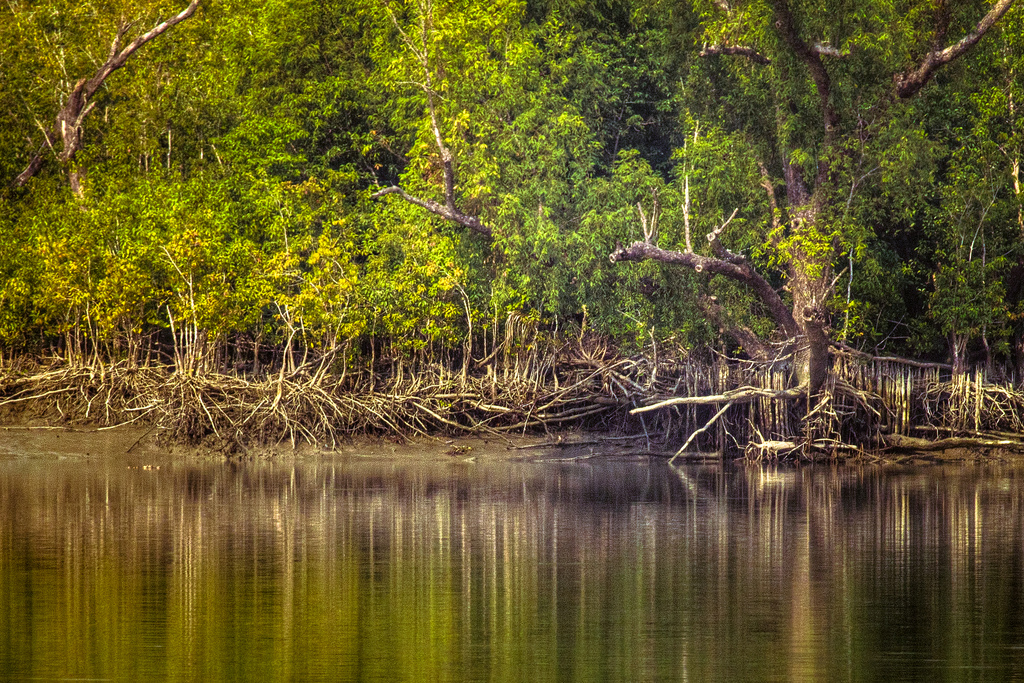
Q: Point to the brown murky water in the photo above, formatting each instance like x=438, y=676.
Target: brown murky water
x=357, y=568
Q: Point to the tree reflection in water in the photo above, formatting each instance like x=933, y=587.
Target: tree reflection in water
x=620, y=570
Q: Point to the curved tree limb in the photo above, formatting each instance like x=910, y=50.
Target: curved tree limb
x=739, y=269
x=910, y=82
x=69, y=120
x=725, y=262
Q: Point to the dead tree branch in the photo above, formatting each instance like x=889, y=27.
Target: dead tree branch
x=910, y=82
x=741, y=395
x=69, y=120
x=739, y=50
x=829, y=51
x=449, y=210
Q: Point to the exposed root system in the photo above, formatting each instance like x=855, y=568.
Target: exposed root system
x=322, y=408
x=866, y=406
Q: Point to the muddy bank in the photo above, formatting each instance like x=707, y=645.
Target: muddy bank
x=145, y=446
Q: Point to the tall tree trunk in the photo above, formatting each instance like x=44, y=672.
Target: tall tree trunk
x=958, y=351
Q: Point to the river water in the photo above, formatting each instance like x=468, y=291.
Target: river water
x=619, y=568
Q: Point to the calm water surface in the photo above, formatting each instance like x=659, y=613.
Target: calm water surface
x=613, y=569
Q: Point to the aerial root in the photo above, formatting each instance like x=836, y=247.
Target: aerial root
x=322, y=409
x=694, y=435
x=861, y=409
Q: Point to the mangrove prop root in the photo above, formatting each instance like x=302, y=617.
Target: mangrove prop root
x=320, y=408
x=864, y=406
x=694, y=435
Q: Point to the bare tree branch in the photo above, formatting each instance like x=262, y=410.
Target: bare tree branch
x=909, y=83
x=719, y=249
x=741, y=50
x=69, y=120
x=650, y=226
x=739, y=269
x=829, y=51
x=449, y=211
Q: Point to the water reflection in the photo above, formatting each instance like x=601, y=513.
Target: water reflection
x=628, y=570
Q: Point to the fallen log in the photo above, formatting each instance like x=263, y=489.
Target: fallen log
x=741, y=395
x=910, y=443
x=985, y=434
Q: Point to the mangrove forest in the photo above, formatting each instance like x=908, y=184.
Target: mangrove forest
x=775, y=227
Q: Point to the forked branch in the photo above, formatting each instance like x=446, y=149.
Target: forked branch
x=910, y=82
x=449, y=211
x=649, y=224
x=69, y=120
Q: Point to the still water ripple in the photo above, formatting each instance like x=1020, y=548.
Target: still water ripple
x=359, y=569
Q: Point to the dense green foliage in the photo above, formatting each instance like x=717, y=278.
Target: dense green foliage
x=228, y=170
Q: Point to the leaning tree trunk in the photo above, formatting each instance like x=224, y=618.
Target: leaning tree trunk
x=67, y=128
x=808, y=257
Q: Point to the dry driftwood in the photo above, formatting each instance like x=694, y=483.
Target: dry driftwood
x=741, y=395
x=908, y=443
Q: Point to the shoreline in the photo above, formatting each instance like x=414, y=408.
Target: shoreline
x=64, y=442
x=143, y=447
x=872, y=413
